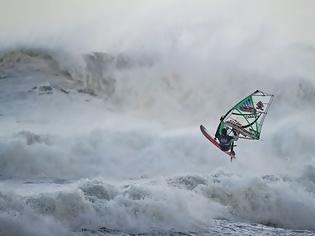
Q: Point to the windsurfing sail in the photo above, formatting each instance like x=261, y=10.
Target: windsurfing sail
x=248, y=115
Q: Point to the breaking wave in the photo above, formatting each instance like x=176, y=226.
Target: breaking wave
x=180, y=204
x=151, y=85
x=100, y=115
x=138, y=142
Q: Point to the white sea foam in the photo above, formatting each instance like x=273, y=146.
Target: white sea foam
x=110, y=140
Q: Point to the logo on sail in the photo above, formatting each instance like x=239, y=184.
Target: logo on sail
x=260, y=106
x=247, y=106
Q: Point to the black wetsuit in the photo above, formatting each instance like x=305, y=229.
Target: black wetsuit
x=226, y=142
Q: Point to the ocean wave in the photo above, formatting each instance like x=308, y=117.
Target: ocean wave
x=157, y=205
x=145, y=83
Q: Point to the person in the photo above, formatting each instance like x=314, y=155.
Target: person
x=226, y=141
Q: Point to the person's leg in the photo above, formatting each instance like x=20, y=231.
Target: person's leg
x=232, y=148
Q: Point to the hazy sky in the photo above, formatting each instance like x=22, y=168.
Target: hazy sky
x=95, y=23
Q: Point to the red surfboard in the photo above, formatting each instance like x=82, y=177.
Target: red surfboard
x=212, y=140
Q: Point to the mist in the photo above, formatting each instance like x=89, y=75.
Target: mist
x=101, y=103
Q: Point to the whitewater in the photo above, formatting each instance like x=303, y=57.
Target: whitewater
x=100, y=136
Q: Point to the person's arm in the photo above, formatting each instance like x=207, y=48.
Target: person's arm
x=232, y=139
x=235, y=135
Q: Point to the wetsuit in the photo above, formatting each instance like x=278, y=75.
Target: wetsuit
x=226, y=141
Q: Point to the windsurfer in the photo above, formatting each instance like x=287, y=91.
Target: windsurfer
x=226, y=141
x=244, y=119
